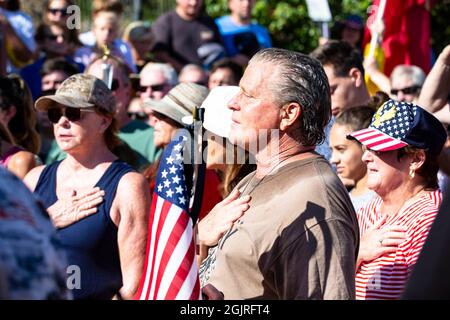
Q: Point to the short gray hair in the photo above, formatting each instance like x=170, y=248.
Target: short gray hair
x=169, y=72
x=414, y=73
x=301, y=79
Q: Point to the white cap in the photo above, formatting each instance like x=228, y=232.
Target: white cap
x=217, y=114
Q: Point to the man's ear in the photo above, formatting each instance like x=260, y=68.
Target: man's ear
x=290, y=113
x=356, y=75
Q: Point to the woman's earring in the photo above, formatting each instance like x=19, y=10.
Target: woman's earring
x=412, y=173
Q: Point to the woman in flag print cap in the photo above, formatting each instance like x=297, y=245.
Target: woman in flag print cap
x=402, y=145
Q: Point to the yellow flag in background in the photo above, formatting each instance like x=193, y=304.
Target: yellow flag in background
x=379, y=56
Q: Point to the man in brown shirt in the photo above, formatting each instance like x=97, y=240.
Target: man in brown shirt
x=299, y=239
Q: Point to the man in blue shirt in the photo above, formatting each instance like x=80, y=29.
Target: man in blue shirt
x=242, y=37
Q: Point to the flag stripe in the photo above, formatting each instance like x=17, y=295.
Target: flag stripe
x=170, y=270
x=170, y=214
x=170, y=251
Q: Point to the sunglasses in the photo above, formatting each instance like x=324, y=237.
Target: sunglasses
x=408, y=90
x=72, y=114
x=62, y=11
x=155, y=87
x=54, y=37
x=140, y=115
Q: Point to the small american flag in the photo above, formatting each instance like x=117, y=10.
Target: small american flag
x=170, y=271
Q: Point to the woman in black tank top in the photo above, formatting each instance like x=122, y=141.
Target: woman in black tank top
x=98, y=203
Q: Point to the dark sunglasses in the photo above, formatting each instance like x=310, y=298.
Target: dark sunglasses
x=72, y=114
x=155, y=87
x=54, y=37
x=62, y=12
x=138, y=115
x=408, y=90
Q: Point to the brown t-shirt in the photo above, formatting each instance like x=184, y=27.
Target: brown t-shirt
x=298, y=240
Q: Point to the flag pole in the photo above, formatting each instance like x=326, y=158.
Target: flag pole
x=375, y=35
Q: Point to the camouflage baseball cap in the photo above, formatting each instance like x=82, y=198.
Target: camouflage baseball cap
x=80, y=91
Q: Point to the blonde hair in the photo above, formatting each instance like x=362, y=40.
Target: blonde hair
x=234, y=173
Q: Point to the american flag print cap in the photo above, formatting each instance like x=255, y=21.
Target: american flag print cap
x=398, y=124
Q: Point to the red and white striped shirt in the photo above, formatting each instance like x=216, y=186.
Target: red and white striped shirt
x=386, y=276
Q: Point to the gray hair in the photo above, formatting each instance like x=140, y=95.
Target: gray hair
x=169, y=72
x=414, y=73
x=301, y=79
x=190, y=67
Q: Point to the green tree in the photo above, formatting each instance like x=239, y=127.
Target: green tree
x=288, y=21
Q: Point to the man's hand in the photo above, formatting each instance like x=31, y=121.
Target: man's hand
x=209, y=292
x=67, y=211
x=221, y=218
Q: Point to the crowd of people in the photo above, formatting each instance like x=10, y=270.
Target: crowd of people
x=313, y=188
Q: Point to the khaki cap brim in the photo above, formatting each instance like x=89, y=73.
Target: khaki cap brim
x=167, y=109
x=46, y=102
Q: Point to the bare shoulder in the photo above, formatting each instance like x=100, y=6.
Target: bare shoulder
x=32, y=177
x=131, y=183
x=23, y=158
x=21, y=163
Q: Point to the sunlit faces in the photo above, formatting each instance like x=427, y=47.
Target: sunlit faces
x=72, y=135
x=53, y=80
x=190, y=8
x=351, y=36
x=106, y=28
x=221, y=77
x=385, y=172
x=150, y=79
x=254, y=107
x=398, y=86
x=57, y=12
x=194, y=76
x=164, y=129
x=56, y=42
x=346, y=154
x=121, y=92
x=342, y=91
x=243, y=8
